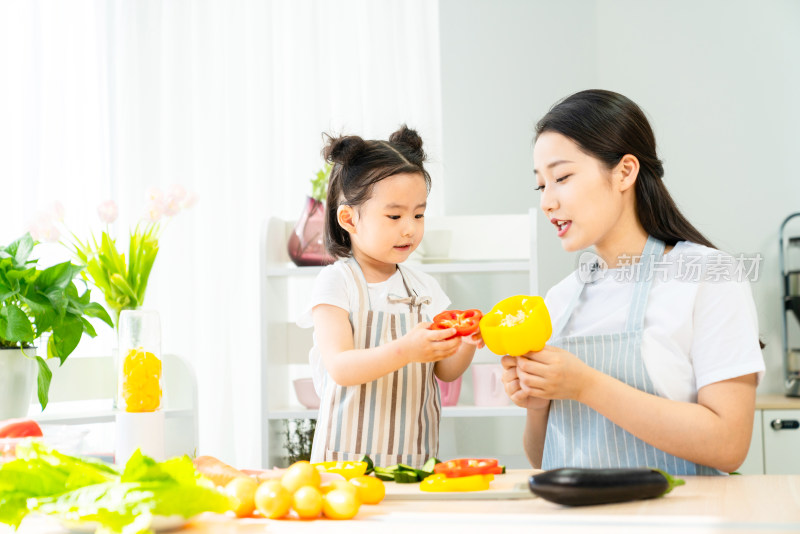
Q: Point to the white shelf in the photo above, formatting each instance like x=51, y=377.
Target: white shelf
x=88, y=417
x=447, y=411
x=454, y=267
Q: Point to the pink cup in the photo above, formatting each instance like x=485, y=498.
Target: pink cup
x=487, y=385
x=449, y=391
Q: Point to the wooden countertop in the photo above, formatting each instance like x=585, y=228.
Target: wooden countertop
x=777, y=402
x=743, y=503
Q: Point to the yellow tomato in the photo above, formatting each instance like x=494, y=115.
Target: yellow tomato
x=370, y=489
x=340, y=504
x=272, y=500
x=307, y=502
x=338, y=485
x=243, y=489
x=300, y=474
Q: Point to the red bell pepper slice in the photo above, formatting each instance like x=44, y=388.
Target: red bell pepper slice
x=464, y=467
x=19, y=428
x=465, y=322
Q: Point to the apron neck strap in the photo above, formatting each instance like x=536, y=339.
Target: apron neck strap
x=361, y=282
x=412, y=298
x=643, y=271
x=643, y=276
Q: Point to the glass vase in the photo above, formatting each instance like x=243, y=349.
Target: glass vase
x=139, y=379
x=307, y=244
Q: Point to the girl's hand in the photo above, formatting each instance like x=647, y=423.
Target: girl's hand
x=514, y=390
x=553, y=373
x=423, y=345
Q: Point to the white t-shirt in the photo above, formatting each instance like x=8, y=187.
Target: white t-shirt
x=700, y=324
x=335, y=285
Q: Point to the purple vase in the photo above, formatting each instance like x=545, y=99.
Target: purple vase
x=306, y=244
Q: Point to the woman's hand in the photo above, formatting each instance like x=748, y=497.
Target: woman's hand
x=511, y=383
x=553, y=373
x=423, y=345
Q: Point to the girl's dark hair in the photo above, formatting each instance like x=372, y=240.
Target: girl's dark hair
x=607, y=126
x=359, y=164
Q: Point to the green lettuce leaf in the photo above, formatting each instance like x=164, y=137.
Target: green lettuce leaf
x=70, y=488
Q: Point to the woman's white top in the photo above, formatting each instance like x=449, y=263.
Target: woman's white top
x=335, y=286
x=700, y=325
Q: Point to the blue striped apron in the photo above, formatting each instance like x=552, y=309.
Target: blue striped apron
x=394, y=419
x=578, y=436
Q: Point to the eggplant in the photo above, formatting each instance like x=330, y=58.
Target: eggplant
x=583, y=486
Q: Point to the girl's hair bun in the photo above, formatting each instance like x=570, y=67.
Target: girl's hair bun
x=342, y=149
x=411, y=141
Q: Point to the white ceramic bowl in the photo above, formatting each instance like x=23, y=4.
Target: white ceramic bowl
x=304, y=390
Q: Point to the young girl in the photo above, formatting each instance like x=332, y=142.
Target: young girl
x=654, y=357
x=374, y=358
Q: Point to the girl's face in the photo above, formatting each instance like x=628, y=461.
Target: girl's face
x=581, y=197
x=389, y=226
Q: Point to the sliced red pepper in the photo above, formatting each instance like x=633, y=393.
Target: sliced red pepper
x=465, y=322
x=19, y=428
x=464, y=467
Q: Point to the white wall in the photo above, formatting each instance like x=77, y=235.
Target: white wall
x=719, y=80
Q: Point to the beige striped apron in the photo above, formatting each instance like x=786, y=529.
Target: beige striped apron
x=394, y=419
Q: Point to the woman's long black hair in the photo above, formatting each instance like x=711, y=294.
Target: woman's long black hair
x=607, y=126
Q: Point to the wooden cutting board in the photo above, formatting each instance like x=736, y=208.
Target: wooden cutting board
x=512, y=485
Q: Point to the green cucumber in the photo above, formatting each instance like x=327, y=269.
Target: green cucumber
x=370, y=464
x=581, y=486
x=402, y=473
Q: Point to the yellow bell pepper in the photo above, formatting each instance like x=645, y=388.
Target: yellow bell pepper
x=440, y=482
x=516, y=326
x=141, y=381
x=347, y=469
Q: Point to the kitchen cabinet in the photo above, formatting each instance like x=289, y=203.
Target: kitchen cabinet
x=490, y=257
x=776, y=437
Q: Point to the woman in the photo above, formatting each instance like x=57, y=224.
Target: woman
x=651, y=363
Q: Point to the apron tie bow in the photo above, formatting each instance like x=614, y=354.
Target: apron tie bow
x=412, y=301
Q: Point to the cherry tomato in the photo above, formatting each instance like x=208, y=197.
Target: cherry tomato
x=343, y=485
x=307, y=502
x=243, y=489
x=272, y=500
x=340, y=504
x=300, y=474
x=371, y=490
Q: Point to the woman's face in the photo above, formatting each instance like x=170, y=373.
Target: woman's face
x=578, y=193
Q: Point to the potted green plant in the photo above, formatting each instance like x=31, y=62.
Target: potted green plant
x=35, y=302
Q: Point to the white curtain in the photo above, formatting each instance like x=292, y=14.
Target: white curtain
x=227, y=98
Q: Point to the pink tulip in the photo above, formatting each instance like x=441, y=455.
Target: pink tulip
x=154, y=194
x=153, y=211
x=189, y=201
x=57, y=211
x=107, y=211
x=176, y=192
x=43, y=229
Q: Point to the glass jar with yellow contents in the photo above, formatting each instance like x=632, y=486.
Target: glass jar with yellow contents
x=140, y=378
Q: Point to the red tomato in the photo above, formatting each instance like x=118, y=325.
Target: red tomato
x=19, y=428
x=465, y=322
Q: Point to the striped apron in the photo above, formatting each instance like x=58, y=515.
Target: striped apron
x=394, y=419
x=578, y=436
